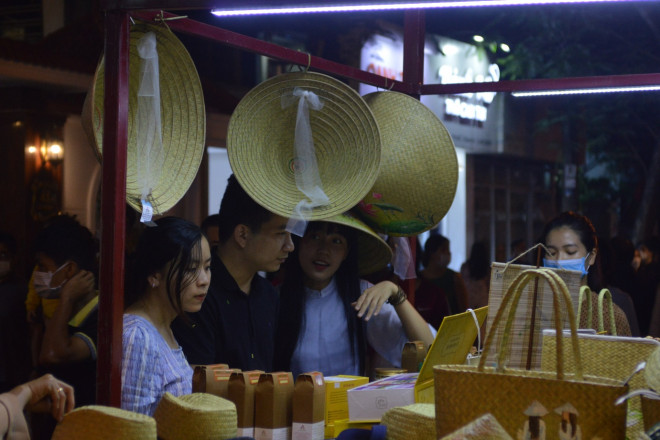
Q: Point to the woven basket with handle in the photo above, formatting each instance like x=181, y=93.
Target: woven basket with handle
x=526, y=400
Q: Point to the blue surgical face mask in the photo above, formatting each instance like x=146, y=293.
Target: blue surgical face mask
x=577, y=264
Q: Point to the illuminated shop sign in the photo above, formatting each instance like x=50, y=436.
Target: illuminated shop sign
x=472, y=119
x=472, y=106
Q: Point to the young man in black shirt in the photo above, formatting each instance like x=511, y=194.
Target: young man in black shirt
x=237, y=322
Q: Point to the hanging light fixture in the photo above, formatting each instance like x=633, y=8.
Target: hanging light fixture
x=295, y=7
x=585, y=91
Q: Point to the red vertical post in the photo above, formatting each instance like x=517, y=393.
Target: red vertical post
x=414, y=34
x=113, y=209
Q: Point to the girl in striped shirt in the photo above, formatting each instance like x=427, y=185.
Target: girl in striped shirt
x=168, y=274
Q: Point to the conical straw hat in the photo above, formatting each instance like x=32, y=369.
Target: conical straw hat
x=485, y=427
x=261, y=135
x=96, y=422
x=198, y=416
x=536, y=409
x=182, y=116
x=416, y=421
x=419, y=168
x=566, y=407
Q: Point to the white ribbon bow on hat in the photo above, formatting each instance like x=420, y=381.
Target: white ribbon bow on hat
x=306, y=169
x=150, y=153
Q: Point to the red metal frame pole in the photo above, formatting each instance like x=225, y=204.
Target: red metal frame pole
x=113, y=209
x=271, y=50
x=414, y=34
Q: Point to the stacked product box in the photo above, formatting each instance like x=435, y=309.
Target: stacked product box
x=336, y=399
x=369, y=402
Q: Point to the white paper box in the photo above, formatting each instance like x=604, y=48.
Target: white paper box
x=370, y=401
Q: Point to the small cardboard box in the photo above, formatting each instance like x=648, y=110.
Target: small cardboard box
x=412, y=356
x=309, y=407
x=212, y=379
x=336, y=400
x=241, y=390
x=273, y=411
x=369, y=402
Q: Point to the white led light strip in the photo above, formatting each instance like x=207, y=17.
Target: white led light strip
x=586, y=91
x=400, y=6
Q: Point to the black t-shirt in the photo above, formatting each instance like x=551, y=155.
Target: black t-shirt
x=232, y=327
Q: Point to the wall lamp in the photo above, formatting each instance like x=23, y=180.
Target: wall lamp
x=49, y=151
x=391, y=6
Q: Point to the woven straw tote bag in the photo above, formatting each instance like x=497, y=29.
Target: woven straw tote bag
x=608, y=356
x=501, y=278
x=524, y=401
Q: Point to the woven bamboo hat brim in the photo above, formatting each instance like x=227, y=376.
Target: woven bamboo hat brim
x=652, y=371
x=419, y=168
x=373, y=252
x=416, y=421
x=96, y=422
x=260, y=144
x=182, y=117
x=198, y=416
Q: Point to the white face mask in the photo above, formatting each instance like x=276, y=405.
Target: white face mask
x=42, y=282
x=5, y=268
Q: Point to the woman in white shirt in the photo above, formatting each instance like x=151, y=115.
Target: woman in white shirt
x=328, y=315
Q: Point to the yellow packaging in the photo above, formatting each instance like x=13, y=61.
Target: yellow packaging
x=336, y=399
x=450, y=346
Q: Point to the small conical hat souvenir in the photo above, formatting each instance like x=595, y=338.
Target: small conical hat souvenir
x=536, y=409
x=195, y=416
x=419, y=168
x=485, y=427
x=566, y=408
x=95, y=422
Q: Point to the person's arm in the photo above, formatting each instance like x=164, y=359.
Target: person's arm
x=45, y=394
x=58, y=346
x=372, y=299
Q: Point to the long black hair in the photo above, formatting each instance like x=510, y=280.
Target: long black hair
x=292, y=299
x=580, y=224
x=175, y=241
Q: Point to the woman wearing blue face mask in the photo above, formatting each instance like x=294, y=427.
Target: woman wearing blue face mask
x=572, y=244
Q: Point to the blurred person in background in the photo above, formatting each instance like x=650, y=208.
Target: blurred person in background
x=647, y=279
x=65, y=252
x=612, y=267
x=476, y=275
x=439, y=291
x=210, y=228
x=15, y=361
